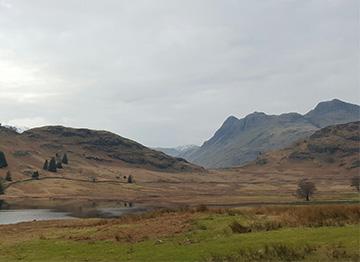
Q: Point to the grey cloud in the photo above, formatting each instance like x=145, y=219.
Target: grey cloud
x=167, y=73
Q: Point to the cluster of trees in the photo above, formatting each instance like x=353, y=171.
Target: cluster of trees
x=56, y=163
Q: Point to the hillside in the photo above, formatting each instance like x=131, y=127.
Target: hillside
x=333, y=146
x=90, y=152
x=239, y=141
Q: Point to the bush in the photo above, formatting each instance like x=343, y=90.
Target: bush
x=2, y=187
x=8, y=176
x=35, y=175
x=236, y=227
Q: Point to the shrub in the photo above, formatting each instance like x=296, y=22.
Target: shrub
x=8, y=176
x=2, y=187
x=35, y=175
x=236, y=227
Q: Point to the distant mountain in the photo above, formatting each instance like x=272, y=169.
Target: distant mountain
x=239, y=141
x=180, y=151
x=333, y=112
x=17, y=129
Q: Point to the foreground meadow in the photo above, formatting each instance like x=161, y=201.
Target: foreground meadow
x=283, y=233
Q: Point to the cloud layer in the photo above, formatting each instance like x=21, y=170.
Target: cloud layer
x=168, y=73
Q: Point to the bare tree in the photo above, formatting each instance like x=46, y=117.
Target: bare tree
x=355, y=182
x=305, y=189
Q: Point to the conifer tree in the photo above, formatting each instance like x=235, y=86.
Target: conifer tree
x=46, y=165
x=130, y=179
x=3, y=162
x=65, y=159
x=52, y=165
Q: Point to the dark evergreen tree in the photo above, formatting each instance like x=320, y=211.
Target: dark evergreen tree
x=46, y=165
x=52, y=165
x=8, y=176
x=35, y=175
x=3, y=162
x=130, y=179
x=65, y=159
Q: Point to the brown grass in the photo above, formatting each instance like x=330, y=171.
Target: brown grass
x=312, y=216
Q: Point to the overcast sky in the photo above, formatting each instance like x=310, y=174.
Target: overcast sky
x=169, y=72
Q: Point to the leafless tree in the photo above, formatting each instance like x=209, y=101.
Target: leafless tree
x=305, y=189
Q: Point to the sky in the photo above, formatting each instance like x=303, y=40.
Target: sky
x=169, y=72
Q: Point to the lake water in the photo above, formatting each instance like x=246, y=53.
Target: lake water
x=25, y=215
x=12, y=213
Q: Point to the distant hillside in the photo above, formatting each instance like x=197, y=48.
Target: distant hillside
x=90, y=152
x=180, y=151
x=239, y=141
x=336, y=145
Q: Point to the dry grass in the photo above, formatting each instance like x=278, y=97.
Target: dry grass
x=312, y=216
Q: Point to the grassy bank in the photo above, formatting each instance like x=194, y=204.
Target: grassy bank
x=273, y=233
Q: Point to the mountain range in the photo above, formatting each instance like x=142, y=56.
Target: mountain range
x=180, y=151
x=239, y=141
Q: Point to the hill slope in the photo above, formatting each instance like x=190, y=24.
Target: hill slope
x=89, y=151
x=336, y=146
x=239, y=141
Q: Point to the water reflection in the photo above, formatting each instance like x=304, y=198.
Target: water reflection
x=22, y=211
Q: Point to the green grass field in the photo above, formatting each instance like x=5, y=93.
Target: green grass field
x=210, y=237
